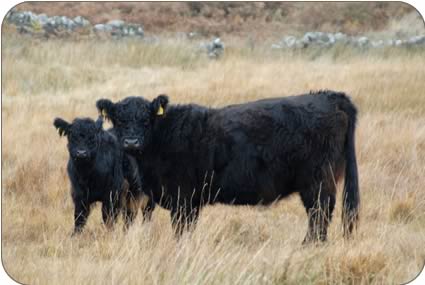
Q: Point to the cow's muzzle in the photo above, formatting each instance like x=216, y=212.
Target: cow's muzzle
x=131, y=143
x=81, y=153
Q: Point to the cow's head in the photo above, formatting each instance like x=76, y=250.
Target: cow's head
x=83, y=136
x=133, y=119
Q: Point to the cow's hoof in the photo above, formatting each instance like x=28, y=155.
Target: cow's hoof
x=75, y=233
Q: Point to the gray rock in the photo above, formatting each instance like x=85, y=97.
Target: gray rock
x=116, y=23
x=43, y=19
x=52, y=22
x=140, y=31
x=317, y=39
x=310, y=37
x=135, y=30
x=120, y=29
x=398, y=43
x=377, y=44
x=217, y=43
x=289, y=41
x=363, y=41
x=57, y=21
x=390, y=42
x=215, y=49
x=300, y=43
x=22, y=18
x=67, y=23
x=82, y=22
x=323, y=37
x=341, y=37
x=131, y=31
x=100, y=27
x=416, y=40
x=332, y=39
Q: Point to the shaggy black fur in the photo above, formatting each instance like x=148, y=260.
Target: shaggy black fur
x=99, y=170
x=247, y=154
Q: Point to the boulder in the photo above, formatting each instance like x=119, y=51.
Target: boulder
x=398, y=43
x=214, y=49
x=116, y=24
x=289, y=41
x=362, y=41
x=341, y=38
x=416, y=40
x=81, y=22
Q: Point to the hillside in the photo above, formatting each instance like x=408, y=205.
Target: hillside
x=247, y=19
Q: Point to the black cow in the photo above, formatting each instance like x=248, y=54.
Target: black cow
x=246, y=154
x=99, y=170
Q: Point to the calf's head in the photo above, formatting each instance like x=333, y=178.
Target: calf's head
x=133, y=119
x=83, y=136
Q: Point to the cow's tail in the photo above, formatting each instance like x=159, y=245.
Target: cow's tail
x=351, y=195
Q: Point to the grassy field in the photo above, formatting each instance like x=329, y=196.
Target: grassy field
x=231, y=245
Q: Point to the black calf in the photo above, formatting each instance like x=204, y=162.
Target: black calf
x=100, y=171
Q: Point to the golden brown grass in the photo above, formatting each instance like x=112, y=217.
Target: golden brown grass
x=231, y=245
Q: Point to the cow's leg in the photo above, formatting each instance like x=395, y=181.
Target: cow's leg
x=132, y=192
x=130, y=209
x=192, y=218
x=132, y=206
x=148, y=208
x=81, y=213
x=184, y=219
x=319, y=202
x=110, y=211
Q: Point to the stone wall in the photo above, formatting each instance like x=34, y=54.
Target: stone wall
x=320, y=39
x=41, y=24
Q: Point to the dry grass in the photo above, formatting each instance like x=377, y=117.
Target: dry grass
x=231, y=245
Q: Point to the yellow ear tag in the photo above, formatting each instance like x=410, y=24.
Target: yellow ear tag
x=160, y=111
x=104, y=113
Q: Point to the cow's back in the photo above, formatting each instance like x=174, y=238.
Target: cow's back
x=270, y=148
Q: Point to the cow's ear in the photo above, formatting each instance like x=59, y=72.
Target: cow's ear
x=106, y=108
x=62, y=126
x=99, y=123
x=159, y=105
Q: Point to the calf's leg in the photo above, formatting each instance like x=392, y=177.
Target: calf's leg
x=81, y=213
x=110, y=211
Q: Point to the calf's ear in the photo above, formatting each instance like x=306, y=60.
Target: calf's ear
x=105, y=108
x=159, y=104
x=62, y=126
